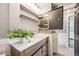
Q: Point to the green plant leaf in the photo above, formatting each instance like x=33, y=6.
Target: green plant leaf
x=20, y=33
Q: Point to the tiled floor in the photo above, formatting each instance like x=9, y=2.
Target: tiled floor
x=65, y=51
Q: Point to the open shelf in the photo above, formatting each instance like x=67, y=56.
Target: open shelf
x=43, y=27
x=25, y=15
x=27, y=12
x=25, y=7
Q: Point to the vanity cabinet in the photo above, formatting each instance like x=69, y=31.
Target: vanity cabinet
x=38, y=49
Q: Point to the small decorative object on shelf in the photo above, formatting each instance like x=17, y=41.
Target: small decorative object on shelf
x=20, y=34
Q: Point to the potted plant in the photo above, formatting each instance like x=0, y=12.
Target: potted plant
x=20, y=34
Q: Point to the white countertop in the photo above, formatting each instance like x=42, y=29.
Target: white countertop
x=21, y=46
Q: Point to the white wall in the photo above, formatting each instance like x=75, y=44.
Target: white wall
x=62, y=39
x=4, y=20
x=28, y=24
x=14, y=15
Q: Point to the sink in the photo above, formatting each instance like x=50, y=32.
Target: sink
x=19, y=45
x=20, y=42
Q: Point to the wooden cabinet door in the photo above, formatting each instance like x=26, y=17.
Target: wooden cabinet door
x=38, y=53
x=45, y=50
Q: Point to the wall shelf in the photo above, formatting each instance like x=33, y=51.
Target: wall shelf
x=25, y=7
x=25, y=15
x=44, y=23
x=27, y=12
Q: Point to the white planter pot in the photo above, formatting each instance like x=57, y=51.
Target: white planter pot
x=19, y=40
x=15, y=40
x=26, y=40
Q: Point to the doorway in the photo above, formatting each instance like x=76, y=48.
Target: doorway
x=71, y=31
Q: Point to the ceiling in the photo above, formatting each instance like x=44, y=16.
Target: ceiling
x=44, y=7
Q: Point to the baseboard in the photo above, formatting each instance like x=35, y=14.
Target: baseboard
x=56, y=54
